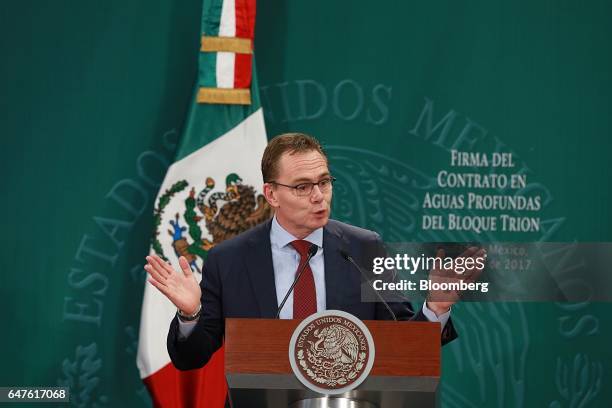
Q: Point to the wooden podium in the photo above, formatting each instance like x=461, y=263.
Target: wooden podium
x=405, y=373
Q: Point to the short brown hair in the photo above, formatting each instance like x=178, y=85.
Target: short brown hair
x=287, y=142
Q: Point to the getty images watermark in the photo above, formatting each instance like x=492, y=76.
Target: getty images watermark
x=456, y=274
x=490, y=272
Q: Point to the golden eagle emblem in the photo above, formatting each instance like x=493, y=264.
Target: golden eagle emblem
x=224, y=214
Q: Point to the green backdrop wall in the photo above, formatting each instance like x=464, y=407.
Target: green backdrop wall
x=93, y=100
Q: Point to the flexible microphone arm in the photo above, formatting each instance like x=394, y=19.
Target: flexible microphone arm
x=349, y=258
x=311, y=252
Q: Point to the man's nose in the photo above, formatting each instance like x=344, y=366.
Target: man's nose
x=316, y=195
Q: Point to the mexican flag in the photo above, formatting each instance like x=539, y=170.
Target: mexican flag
x=210, y=193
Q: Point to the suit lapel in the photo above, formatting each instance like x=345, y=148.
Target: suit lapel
x=261, y=271
x=337, y=274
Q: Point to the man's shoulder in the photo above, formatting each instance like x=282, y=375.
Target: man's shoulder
x=262, y=232
x=351, y=231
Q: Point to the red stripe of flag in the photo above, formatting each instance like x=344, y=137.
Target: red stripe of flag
x=201, y=388
x=245, y=28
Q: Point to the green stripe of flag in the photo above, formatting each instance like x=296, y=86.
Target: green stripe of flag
x=207, y=67
x=211, y=17
x=206, y=122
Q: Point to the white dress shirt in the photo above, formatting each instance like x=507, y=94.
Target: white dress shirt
x=286, y=260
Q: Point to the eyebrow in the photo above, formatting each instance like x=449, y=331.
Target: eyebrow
x=307, y=180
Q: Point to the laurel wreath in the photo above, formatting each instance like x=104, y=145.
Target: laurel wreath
x=330, y=376
x=163, y=202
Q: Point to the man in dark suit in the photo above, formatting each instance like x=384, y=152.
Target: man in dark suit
x=249, y=275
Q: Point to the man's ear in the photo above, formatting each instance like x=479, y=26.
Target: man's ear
x=270, y=194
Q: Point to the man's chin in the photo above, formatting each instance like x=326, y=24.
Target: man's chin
x=320, y=220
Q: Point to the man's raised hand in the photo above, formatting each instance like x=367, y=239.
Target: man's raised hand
x=440, y=301
x=181, y=288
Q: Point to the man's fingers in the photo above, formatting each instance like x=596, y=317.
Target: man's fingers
x=159, y=265
x=439, y=255
x=482, y=254
x=474, y=273
x=154, y=273
x=163, y=289
x=478, y=253
x=184, y=264
x=470, y=252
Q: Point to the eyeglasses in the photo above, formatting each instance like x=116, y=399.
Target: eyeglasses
x=305, y=189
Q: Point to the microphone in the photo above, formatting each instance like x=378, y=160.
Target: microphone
x=311, y=252
x=364, y=274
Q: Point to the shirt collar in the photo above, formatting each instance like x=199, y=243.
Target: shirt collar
x=280, y=238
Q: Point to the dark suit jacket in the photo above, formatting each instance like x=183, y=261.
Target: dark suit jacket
x=238, y=281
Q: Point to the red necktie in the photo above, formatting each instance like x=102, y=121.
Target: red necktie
x=304, y=293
